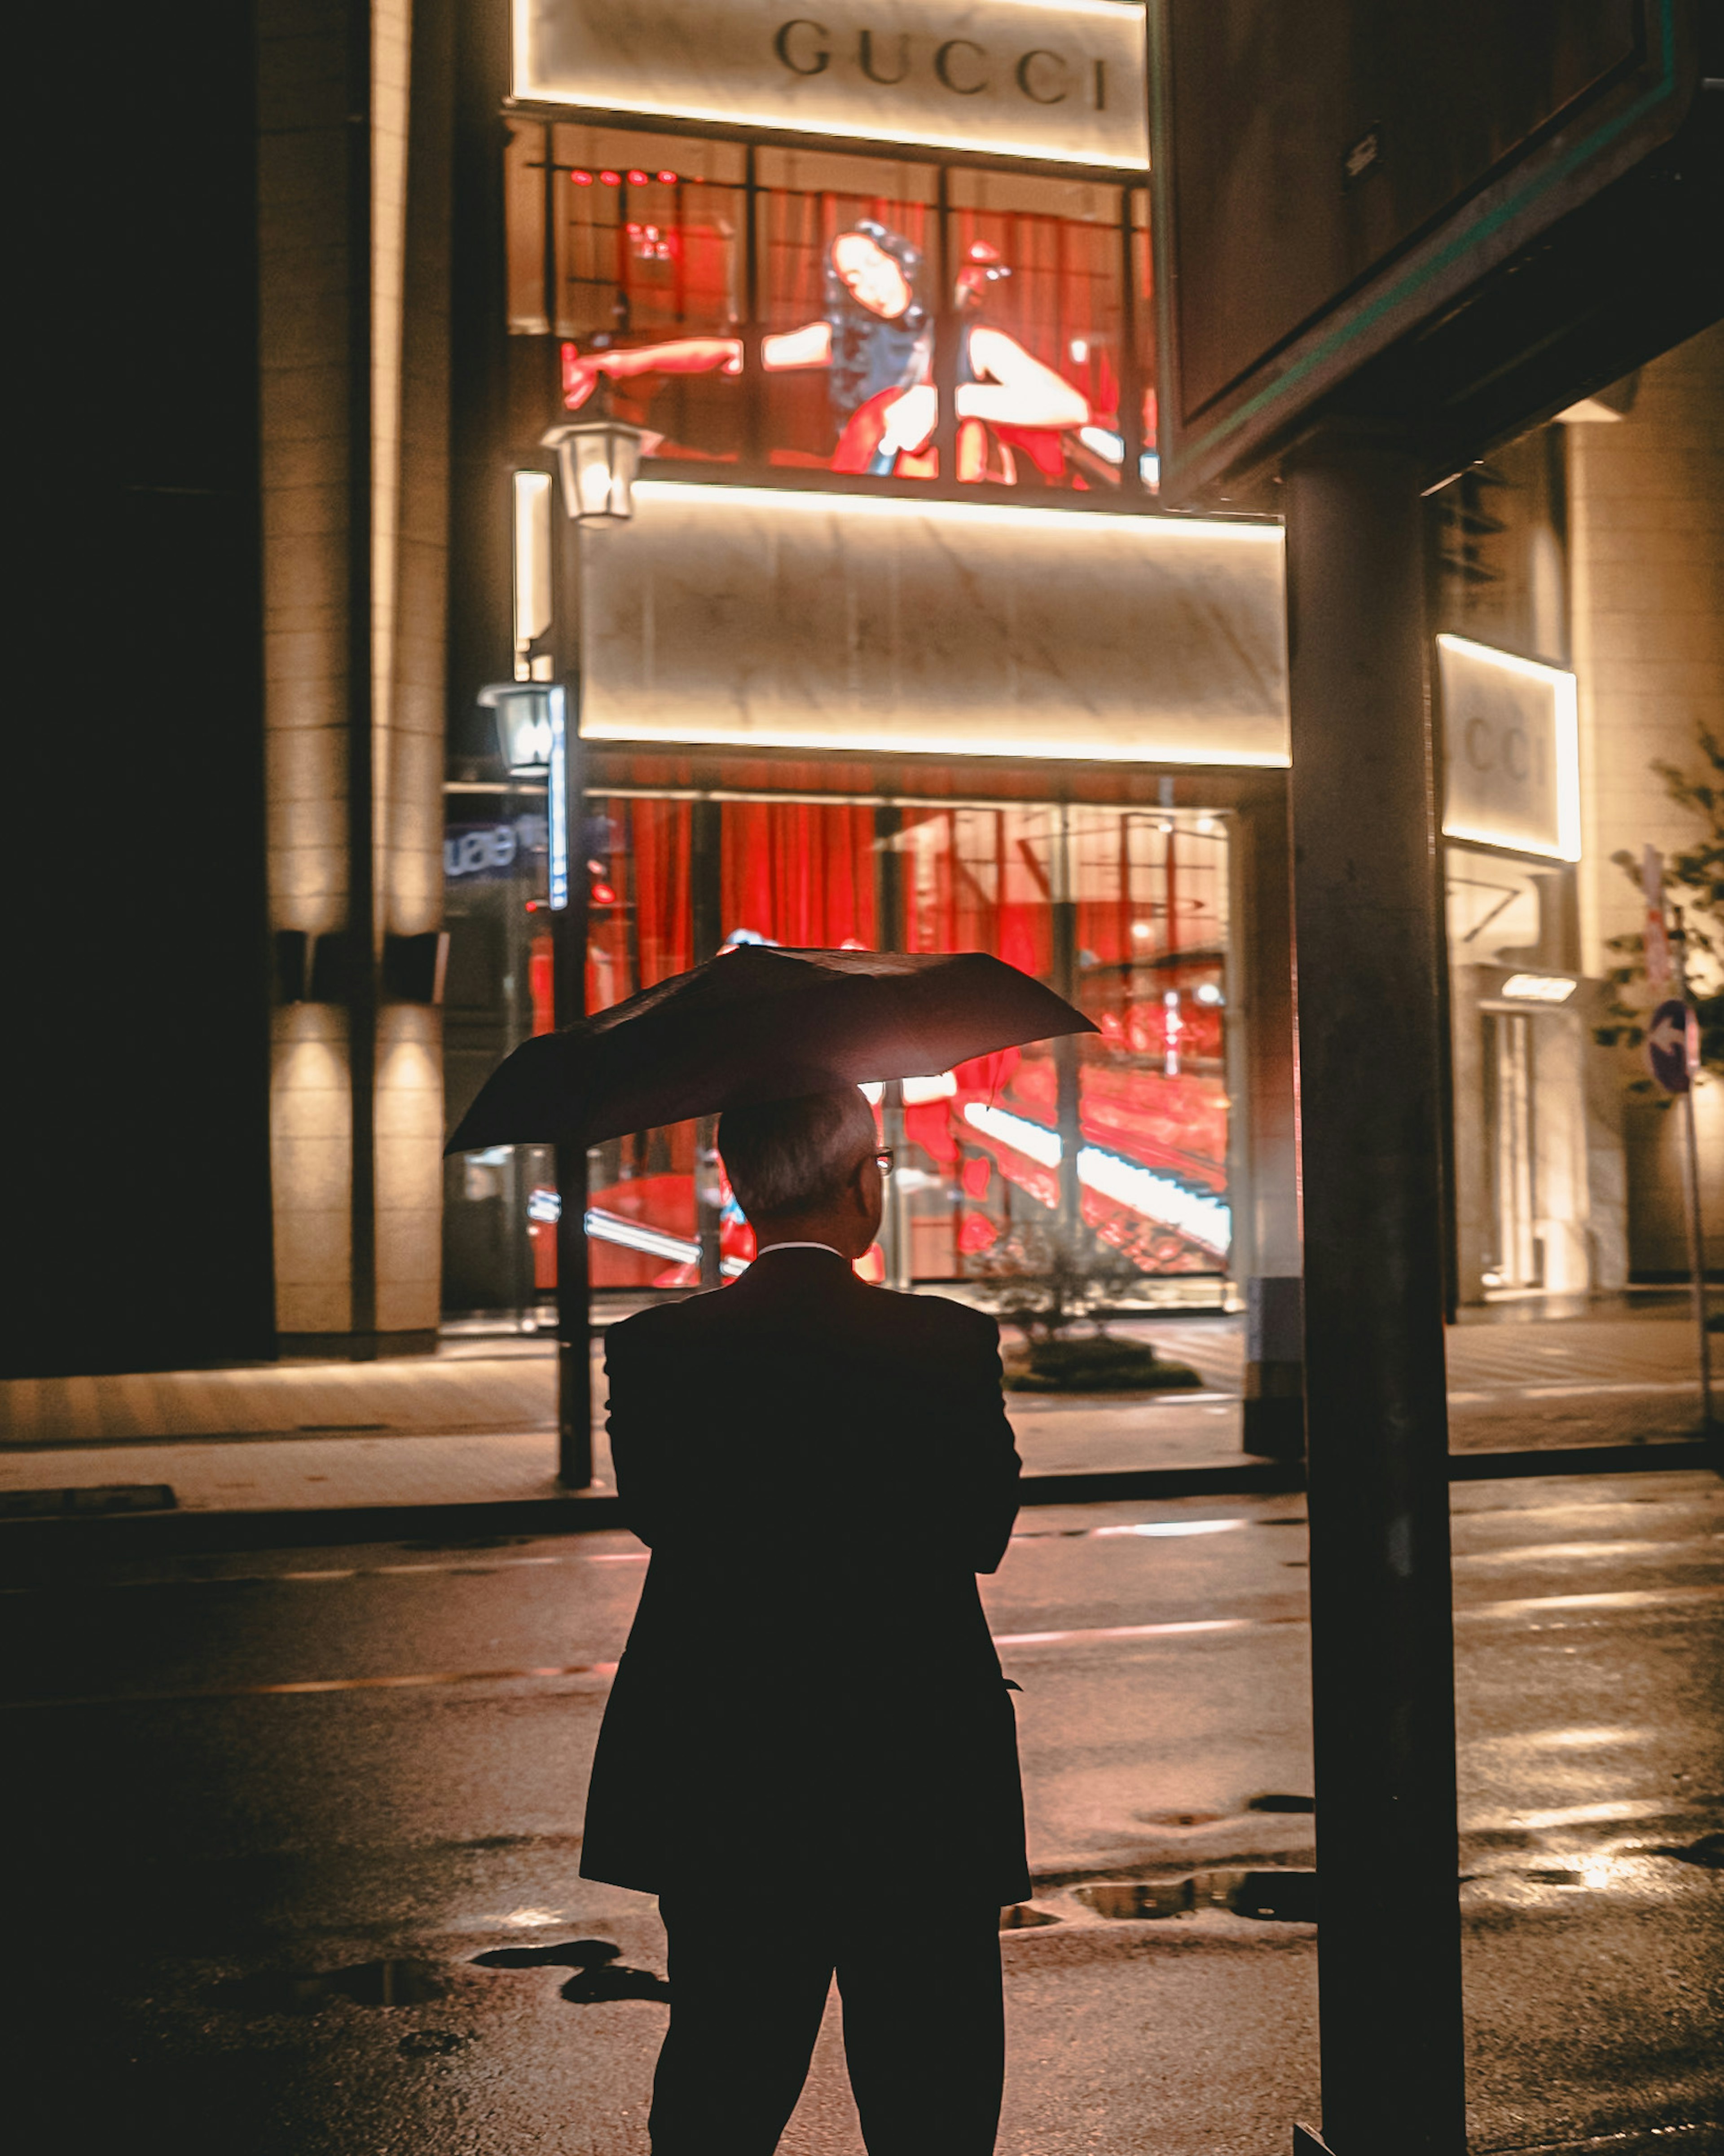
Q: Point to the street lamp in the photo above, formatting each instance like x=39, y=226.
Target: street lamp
x=522, y=712
x=597, y=459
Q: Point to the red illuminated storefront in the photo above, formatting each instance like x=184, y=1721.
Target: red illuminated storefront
x=979, y=1147
x=898, y=652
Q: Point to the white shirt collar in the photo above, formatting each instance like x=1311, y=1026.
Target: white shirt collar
x=771, y=1247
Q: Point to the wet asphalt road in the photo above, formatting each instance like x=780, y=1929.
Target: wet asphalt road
x=230, y=1777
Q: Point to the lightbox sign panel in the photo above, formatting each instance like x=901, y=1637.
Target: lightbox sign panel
x=1512, y=732
x=1062, y=82
x=755, y=617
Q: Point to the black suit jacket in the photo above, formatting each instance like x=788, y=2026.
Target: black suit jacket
x=820, y=1469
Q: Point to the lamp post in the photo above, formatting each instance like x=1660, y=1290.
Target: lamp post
x=597, y=461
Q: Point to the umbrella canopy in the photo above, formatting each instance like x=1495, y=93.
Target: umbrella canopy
x=759, y=1024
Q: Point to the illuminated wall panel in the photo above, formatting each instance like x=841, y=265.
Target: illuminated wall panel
x=1062, y=82
x=1512, y=740
x=752, y=618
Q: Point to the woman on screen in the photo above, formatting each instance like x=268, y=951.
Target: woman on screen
x=875, y=340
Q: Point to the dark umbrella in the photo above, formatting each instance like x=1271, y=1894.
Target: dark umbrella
x=757, y=1023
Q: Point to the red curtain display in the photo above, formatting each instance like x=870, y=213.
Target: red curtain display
x=640, y=930
x=799, y=873
x=1150, y=926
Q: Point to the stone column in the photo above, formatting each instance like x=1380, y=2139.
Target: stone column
x=1266, y=1260
x=1645, y=474
x=353, y=487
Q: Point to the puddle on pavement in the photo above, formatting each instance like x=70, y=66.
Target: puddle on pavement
x=1708, y=1852
x=1283, y=1897
x=1132, y=1900
x=1180, y=1818
x=1021, y=1917
x=87, y=1499
x=599, y=1976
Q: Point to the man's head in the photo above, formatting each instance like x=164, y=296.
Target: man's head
x=804, y=1170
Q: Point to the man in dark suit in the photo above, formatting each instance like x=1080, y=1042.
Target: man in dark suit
x=809, y=1753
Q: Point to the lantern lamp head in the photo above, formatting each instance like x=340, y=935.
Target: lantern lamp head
x=522, y=713
x=597, y=458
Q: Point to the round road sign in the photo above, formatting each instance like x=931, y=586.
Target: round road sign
x=1667, y=1045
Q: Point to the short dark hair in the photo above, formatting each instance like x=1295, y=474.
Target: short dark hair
x=786, y=1155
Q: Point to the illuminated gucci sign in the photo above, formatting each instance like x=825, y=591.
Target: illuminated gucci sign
x=959, y=65
x=1510, y=728
x=1060, y=84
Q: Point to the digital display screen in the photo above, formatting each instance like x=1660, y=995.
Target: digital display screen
x=804, y=309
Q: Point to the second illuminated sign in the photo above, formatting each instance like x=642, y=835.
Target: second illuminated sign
x=1063, y=85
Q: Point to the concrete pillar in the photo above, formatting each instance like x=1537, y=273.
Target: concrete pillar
x=354, y=489
x=1364, y=833
x=306, y=298
x=1263, y=1077
x=1645, y=476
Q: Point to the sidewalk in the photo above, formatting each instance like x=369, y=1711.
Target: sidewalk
x=475, y=1425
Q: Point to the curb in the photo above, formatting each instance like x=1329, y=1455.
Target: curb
x=1664, y=1456
x=43, y=1542
x=186, y=1534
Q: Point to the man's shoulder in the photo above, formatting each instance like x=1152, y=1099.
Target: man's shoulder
x=935, y=1317
x=935, y=1322
x=660, y=1326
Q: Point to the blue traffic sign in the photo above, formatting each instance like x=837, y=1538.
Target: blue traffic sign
x=1667, y=1045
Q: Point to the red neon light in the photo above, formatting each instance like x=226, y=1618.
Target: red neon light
x=612, y=179
x=637, y=179
x=667, y=179
x=602, y=894
x=580, y=179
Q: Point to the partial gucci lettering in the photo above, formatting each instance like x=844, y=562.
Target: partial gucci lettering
x=960, y=65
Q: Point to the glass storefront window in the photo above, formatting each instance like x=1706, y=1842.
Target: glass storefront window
x=1126, y=910
x=1151, y=905
x=644, y=277
x=809, y=309
x=799, y=873
x=849, y=304
x=1041, y=326
x=639, y=929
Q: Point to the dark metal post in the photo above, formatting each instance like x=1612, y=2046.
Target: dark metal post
x=706, y=899
x=889, y=934
x=569, y=928
x=1063, y=880
x=1709, y=1426
x=948, y=332
x=1364, y=831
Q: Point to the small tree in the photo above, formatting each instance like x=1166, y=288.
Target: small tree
x=1695, y=878
x=1042, y=1280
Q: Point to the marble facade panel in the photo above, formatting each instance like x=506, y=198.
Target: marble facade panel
x=739, y=615
x=1052, y=82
